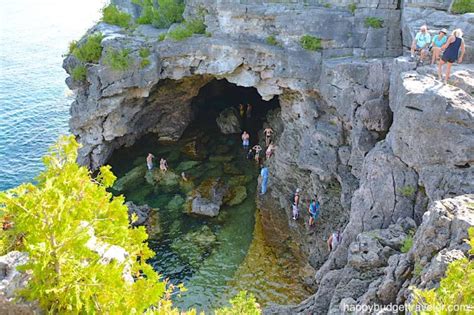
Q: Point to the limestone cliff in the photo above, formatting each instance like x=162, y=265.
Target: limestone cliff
x=377, y=139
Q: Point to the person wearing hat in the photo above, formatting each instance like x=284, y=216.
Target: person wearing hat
x=438, y=42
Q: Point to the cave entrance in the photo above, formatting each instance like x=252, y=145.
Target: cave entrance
x=213, y=256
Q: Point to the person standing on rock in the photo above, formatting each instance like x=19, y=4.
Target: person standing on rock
x=249, y=111
x=163, y=165
x=149, y=161
x=313, y=210
x=451, y=53
x=242, y=110
x=264, y=175
x=334, y=240
x=295, y=200
x=245, y=140
x=271, y=147
x=268, y=132
x=421, y=42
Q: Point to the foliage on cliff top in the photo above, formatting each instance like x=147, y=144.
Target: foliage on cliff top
x=455, y=288
x=462, y=6
x=312, y=43
x=79, y=73
x=243, y=303
x=187, y=29
x=90, y=50
x=162, y=15
x=373, y=22
x=112, y=15
x=53, y=221
x=118, y=60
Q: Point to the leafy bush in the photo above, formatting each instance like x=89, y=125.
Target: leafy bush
x=187, y=29
x=462, y=6
x=112, y=15
x=90, y=50
x=271, y=40
x=162, y=37
x=144, y=52
x=79, y=73
x=118, y=60
x=352, y=7
x=454, y=289
x=327, y=5
x=309, y=42
x=407, y=243
x=242, y=303
x=373, y=22
x=162, y=15
x=407, y=191
x=72, y=46
x=55, y=219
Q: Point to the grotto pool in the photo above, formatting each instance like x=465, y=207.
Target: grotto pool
x=213, y=257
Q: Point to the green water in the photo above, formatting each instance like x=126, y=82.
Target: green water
x=207, y=255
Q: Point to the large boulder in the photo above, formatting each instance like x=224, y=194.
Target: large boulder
x=207, y=199
x=229, y=121
x=142, y=213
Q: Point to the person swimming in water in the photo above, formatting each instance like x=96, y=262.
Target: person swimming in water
x=245, y=140
x=163, y=165
x=149, y=161
x=268, y=132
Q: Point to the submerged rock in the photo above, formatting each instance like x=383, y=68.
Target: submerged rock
x=131, y=179
x=228, y=121
x=207, y=199
x=167, y=181
x=142, y=213
x=176, y=204
x=194, y=246
x=235, y=196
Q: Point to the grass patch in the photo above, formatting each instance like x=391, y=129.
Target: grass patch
x=462, y=6
x=407, y=191
x=112, y=15
x=90, y=50
x=162, y=37
x=118, y=60
x=79, y=73
x=327, y=5
x=312, y=43
x=162, y=13
x=417, y=269
x=72, y=46
x=408, y=242
x=187, y=29
x=373, y=22
x=271, y=40
x=144, y=54
x=352, y=7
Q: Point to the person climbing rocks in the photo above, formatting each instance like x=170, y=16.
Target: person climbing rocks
x=242, y=110
x=334, y=240
x=451, y=49
x=249, y=111
x=250, y=155
x=264, y=175
x=437, y=43
x=295, y=200
x=268, y=132
x=149, y=161
x=296, y=211
x=313, y=210
x=245, y=140
x=257, y=149
x=421, y=42
x=163, y=165
x=271, y=147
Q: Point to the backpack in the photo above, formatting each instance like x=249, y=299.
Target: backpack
x=292, y=198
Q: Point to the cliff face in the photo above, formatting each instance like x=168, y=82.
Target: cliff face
x=377, y=139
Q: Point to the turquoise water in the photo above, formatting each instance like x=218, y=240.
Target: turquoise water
x=34, y=100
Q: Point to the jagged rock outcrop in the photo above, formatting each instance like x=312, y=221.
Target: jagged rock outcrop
x=228, y=121
x=142, y=213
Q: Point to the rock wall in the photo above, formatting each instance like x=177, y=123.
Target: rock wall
x=375, y=138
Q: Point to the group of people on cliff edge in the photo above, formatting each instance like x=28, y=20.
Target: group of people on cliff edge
x=444, y=49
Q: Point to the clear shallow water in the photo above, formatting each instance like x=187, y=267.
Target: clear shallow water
x=34, y=100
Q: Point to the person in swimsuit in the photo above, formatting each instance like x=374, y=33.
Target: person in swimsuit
x=271, y=147
x=245, y=140
x=437, y=43
x=257, y=149
x=249, y=111
x=295, y=204
x=451, y=54
x=163, y=165
x=268, y=135
x=242, y=110
x=149, y=161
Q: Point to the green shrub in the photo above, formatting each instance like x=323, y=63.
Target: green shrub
x=352, y=7
x=79, y=73
x=144, y=52
x=462, y=6
x=162, y=15
x=407, y=191
x=243, y=303
x=55, y=218
x=187, y=29
x=454, y=289
x=417, y=269
x=373, y=22
x=407, y=243
x=118, y=60
x=72, y=46
x=162, y=37
x=90, y=50
x=144, y=63
x=112, y=15
x=327, y=5
x=309, y=42
x=271, y=40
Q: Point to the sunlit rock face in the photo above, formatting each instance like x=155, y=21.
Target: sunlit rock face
x=376, y=139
